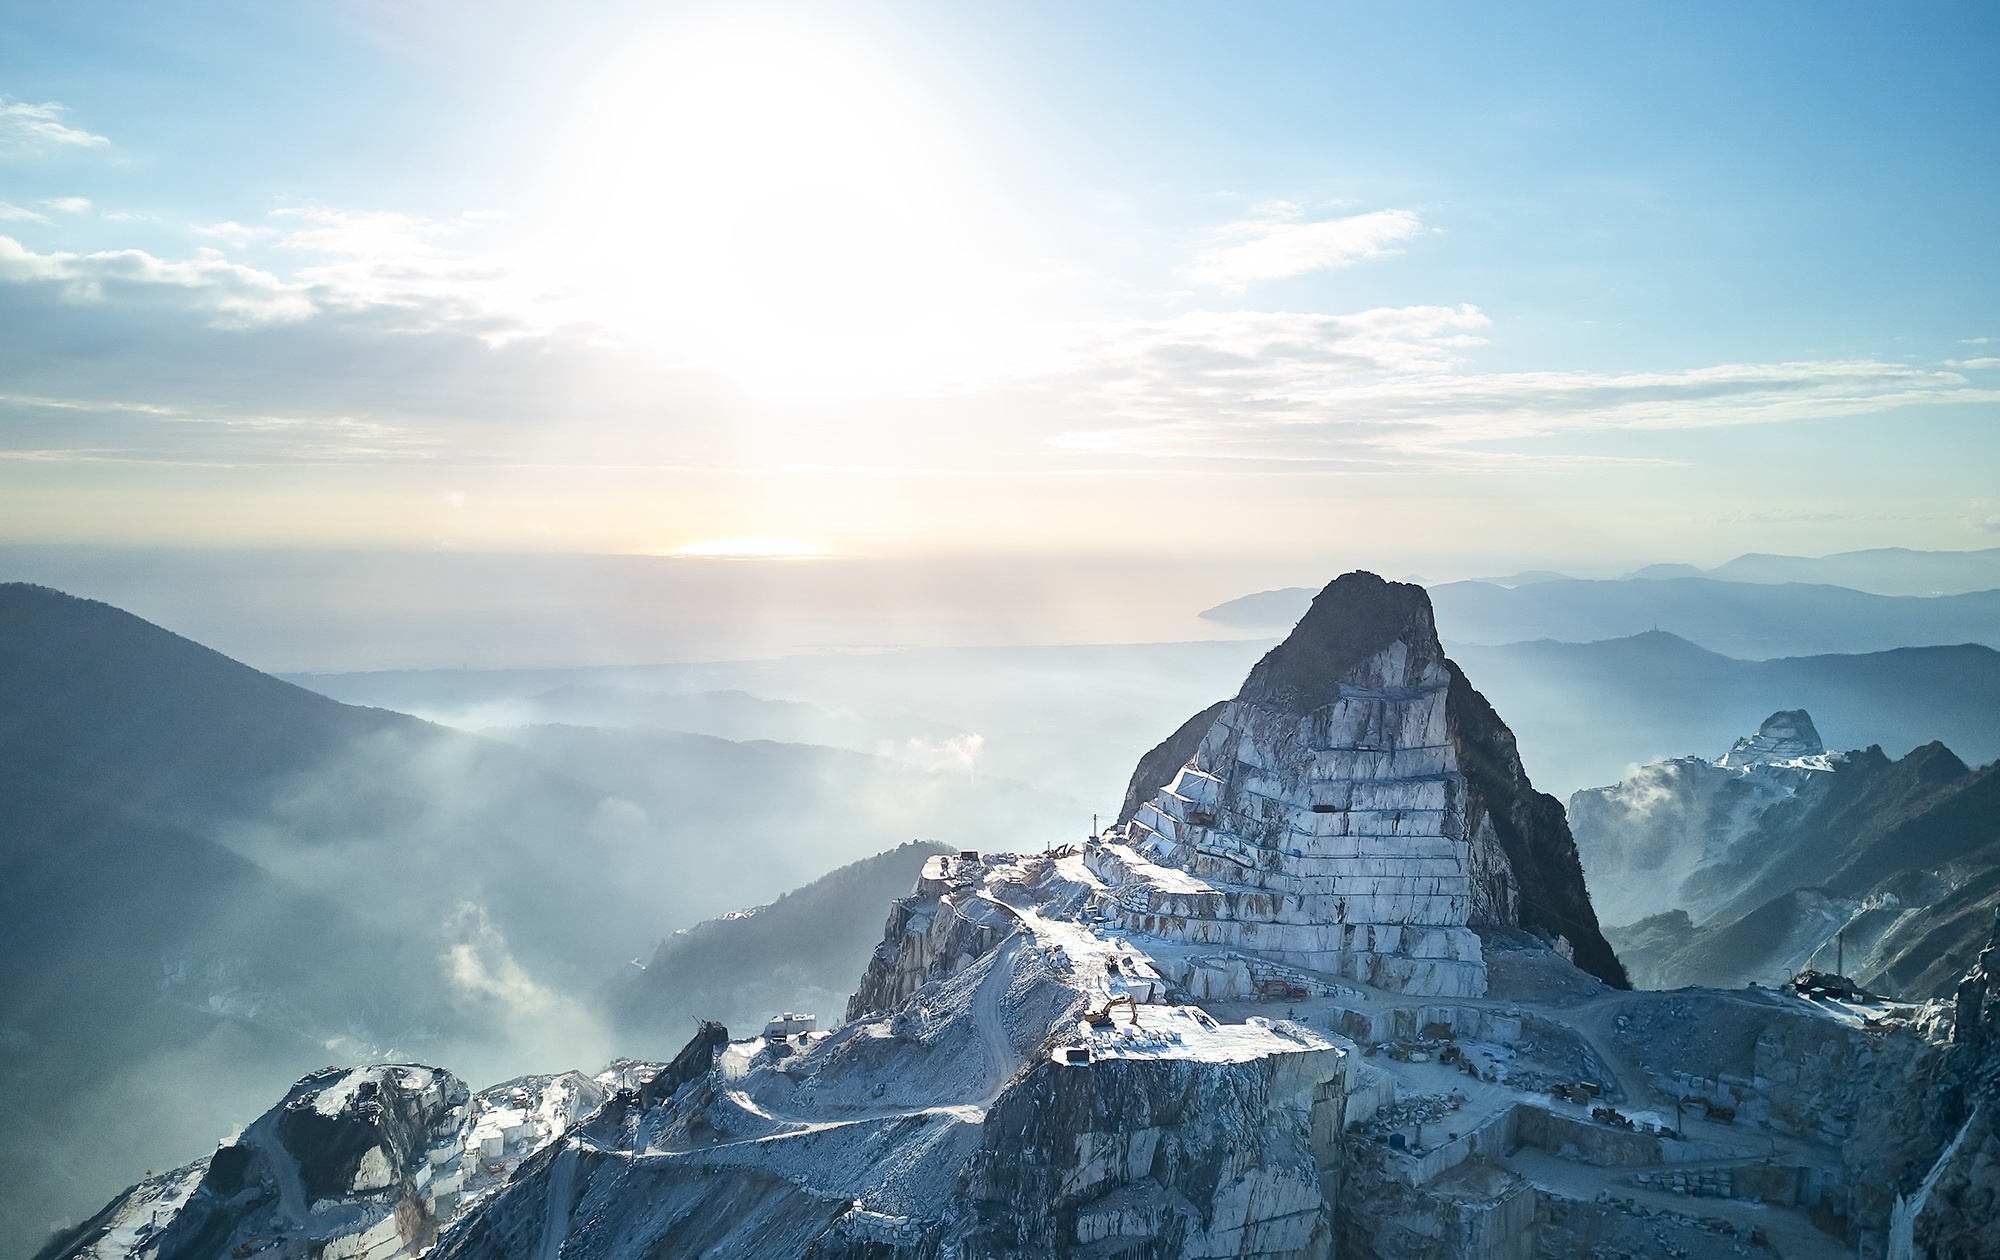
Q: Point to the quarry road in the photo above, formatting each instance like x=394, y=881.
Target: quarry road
x=280, y=1167
x=991, y=1021
x=562, y=1182
x=990, y=1039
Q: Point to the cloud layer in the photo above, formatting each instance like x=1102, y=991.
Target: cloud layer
x=382, y=336
x=25, y=126
x=1282, y=244
x=1388, y=387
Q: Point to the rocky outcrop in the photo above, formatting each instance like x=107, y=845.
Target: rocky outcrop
x=1786, y=736
x=1162, y=762
x=1170, y=1157
x=354, y=1164
x=1546, y=876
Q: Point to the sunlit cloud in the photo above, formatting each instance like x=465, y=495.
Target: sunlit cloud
x=1385, y=387
x=25, y=126
x=68, y=205
x=1282, y=243
x=235, y=233
x=229, y=293
x=21, y=214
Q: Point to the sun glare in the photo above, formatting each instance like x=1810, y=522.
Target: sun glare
x=752, y=549
x=765, y=202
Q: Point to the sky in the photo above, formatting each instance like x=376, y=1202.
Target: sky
x=1467, y=288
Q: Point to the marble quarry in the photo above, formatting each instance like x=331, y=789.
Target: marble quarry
x=1323, y=820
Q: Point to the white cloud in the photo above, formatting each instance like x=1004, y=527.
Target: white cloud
x=1281, y=245
x=26, y=126
x=68, y=205
x=1972, y=363
x=1386, y=387
x=233, y=233
x=229, y=293
x=10, y=211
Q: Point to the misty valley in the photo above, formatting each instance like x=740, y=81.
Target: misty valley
x=219, y=882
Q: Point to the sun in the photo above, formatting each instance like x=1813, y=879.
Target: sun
x=763, y=200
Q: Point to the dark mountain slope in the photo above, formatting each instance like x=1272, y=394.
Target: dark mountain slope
x=800, y=953
x=1888, y=868
x=157, y=987
x=95, y=698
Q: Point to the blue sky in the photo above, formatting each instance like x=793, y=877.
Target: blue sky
x=1450, y=284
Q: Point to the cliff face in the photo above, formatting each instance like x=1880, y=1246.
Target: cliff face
x=1955, y=1209
x=1169, y=1157
x=1159, y=765
x=1540, y=885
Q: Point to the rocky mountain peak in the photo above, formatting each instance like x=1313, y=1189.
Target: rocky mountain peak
x=1358, y=810
x=1786, y=735
x=1355, y=618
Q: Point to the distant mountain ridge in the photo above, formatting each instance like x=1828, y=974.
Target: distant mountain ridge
x=1878, y=570
x=1585, y=713
x=1753, y=621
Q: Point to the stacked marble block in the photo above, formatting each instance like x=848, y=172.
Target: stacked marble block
x=1335, y=842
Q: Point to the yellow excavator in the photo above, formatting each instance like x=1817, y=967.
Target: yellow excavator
x=1101, y=1017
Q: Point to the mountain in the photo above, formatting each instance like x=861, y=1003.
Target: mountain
x=799, y=953
x=622, y=697
x=1750, y=620
x=1881, y=570
x=1586, y=713
x=1779, y=855
x=1313, y=996
x=1367, y=653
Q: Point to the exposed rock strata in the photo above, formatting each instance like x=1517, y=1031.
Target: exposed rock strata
x=1353, y=812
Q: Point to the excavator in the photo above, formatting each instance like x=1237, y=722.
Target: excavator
x=1101, y=1017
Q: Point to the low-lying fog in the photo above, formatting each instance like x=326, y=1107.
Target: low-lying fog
x=674, y=742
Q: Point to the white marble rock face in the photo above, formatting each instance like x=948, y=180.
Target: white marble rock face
x=1335, y=843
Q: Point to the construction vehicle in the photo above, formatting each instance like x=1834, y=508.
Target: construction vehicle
x=1281, y=990
x=1819, y=985
x=1101, y=1017
x=1713, y=1110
